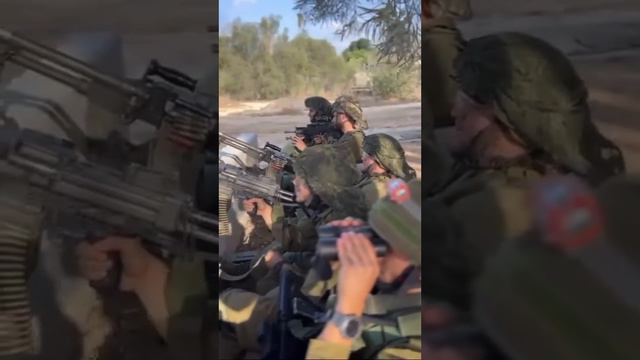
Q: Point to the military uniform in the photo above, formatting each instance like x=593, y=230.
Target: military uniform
x=570, y=286
x=388, y=153
x=535, y=93
x=351, y=143
x=331, y=181
x=399, y=223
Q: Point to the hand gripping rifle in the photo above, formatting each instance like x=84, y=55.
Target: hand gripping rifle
x=326, y=130
x=172, y=100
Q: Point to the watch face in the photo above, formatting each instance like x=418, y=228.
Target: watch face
x=352, y=327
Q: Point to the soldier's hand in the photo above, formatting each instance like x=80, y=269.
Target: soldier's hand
x=94, y=261
x=263, y=209
x=272, y=258
x=298, y=142
x=359, y=270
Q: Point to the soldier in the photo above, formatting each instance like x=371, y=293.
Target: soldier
x=383, y=159
x=390, y=285
x=347, y=115
x=521, y=114
x=565, y=289
x=319, y=110
x=324, y=186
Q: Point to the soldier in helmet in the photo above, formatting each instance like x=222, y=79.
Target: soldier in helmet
x=348, y=117
x=388, y=287
x=383, y=159
x=323, y=186
x=521, y=114
x=319, y=111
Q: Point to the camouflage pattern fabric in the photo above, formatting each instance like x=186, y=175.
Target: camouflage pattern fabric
x=537, y=93
x=389, y=154
x=441, y=45
x=589, y=307
x=350, y=144
x=330, y=177
x=456, y=9
x=350, y=106
x=374, y=187
x=397, y=218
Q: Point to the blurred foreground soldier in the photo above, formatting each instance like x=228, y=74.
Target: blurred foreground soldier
x=387, y=290
x=383, y=160
x=348, y=117
x=521, y=114
x=156, y=309
x=319, y=111
x=568, y=289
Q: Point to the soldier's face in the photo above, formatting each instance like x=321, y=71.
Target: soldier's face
x=303, y=191
x=470, y=120
x=311, y=113
x=368, y=163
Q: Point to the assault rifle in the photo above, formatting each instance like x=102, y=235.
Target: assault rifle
x=325, y=129
x=172, y=100
x=96, y=201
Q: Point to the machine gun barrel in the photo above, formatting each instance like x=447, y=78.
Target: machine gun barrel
x=257, y=186
x=241, y=145
x=103, y=194
x=145, y=99
x=38, y=57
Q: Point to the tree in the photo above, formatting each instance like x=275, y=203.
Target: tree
x=268, y=30
x=394, y=25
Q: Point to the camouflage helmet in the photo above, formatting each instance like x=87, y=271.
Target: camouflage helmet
x=536, y=92
x=323, y=168
x=389, y=154
x=350, y=106
x=321, y=106
x=571, y=281
x=397, y=218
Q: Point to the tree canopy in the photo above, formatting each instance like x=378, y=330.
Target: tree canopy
x=394, y=25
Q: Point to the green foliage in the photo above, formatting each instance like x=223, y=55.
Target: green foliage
x=394, y=25
x=258, y=62
x=393, y=82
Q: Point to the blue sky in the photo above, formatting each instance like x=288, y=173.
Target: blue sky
x=253, y=10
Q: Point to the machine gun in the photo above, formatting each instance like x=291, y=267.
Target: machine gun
x=107, y=201
x=262, y=160
x=247, y=185
x=172, y=100
x=327, y=130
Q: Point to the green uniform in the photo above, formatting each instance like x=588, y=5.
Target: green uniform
x=351, y=144
x=536, y=94
x=331, y=181
x=374, y=187
x=399, y=223
x=571, y=289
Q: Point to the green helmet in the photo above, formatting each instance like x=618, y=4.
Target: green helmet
x=571, y=283
x=536, y=92
x=389, y=154
x=397, y=218
x=321, y=106
x=330, y=177
x=350, y=106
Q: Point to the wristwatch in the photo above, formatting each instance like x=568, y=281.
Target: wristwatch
x=350, y=326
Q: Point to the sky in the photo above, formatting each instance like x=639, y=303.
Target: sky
x=254, y=10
